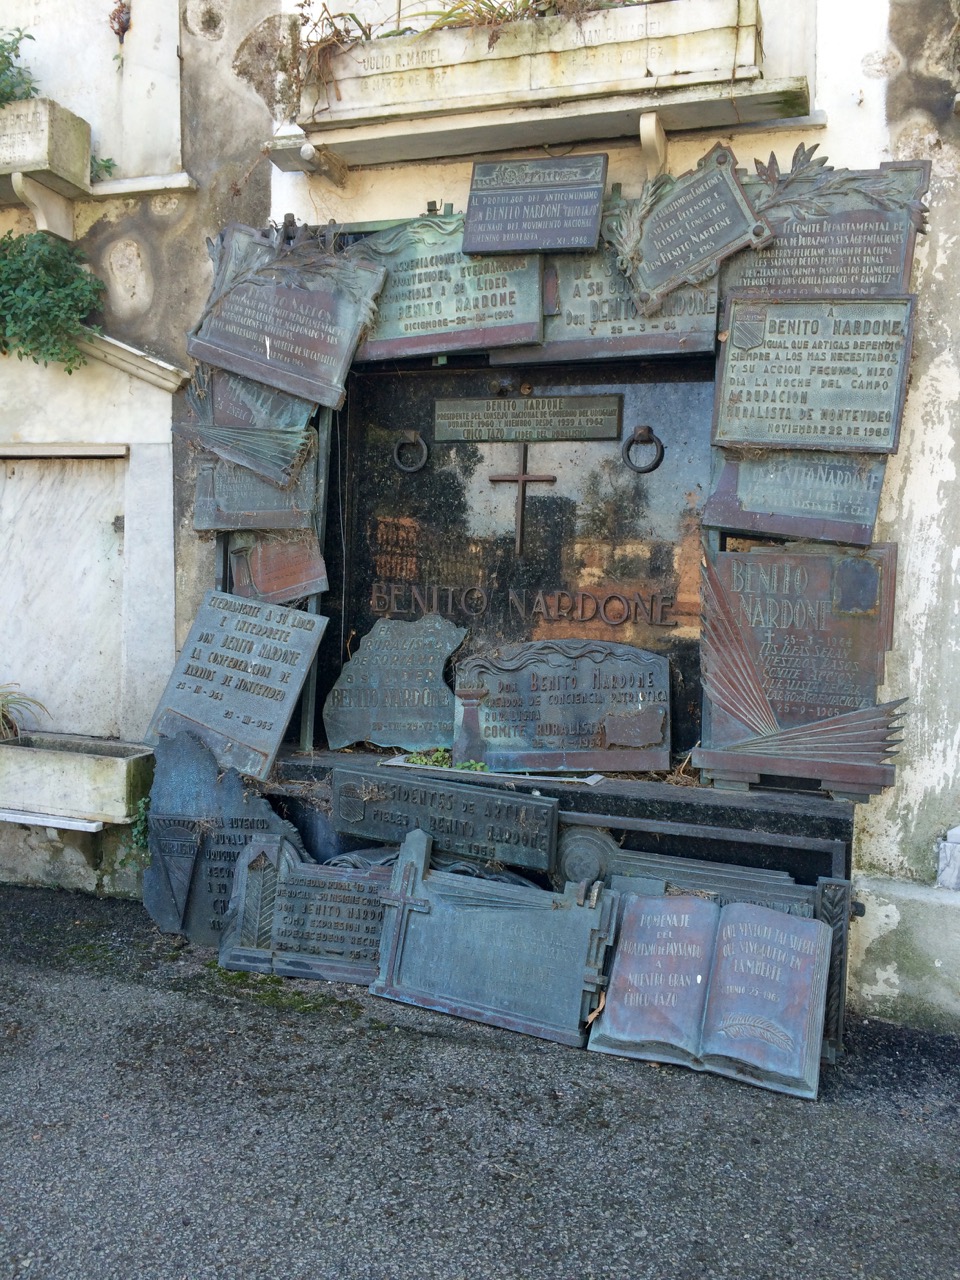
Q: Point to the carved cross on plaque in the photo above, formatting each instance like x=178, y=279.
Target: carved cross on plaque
x=521, y=480
x=405, y=903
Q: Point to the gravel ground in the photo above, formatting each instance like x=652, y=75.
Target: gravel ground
x=163, y=1120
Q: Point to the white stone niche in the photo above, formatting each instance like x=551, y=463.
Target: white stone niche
x=446, y=92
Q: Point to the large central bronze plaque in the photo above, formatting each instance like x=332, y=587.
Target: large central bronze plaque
x=814, y=373
x=524, y=206
x=529, y=418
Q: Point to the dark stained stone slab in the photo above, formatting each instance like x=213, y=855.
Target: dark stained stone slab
x=528, y=206
x=792, y=656
x=814, y=373
x=286, y=314
x=265, y=430
x=437, y=299
x=296, y=918
x=237, y=680
x=392, y=691
x=277, y=568
x=473, y=822
x=521, y=958
x=564, y=705
x=681, y=229
x=201, y=819
x=589, y=314
x=524, y=418
x=837, y=232
x=739, y=991
x=232, y=497
x=827, y=497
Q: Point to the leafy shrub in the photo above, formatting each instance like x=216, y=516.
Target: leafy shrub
x=46, y=293
x=16, y=82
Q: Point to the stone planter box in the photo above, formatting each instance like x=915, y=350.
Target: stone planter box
x=661, y=45
x=69, y=776
x=46, y=142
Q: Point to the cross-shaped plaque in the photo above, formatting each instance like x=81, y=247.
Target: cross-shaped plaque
x=521, y=480
x=405, y=903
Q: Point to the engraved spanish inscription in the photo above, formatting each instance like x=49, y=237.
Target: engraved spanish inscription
x=528, y=418
x=527, y=206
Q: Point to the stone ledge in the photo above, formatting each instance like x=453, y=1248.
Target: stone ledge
x=131, y=360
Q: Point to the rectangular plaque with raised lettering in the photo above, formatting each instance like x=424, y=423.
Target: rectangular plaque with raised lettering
x=288, y=315
x=792, y=655
x=527, y=206
x=237, y=680
x=506, y=418
x=562, y=705
x=814, y=373
x=232, y=497
x=511, y=955
x=589, y=313
x=738, y=991
x=471, y=822
x=831, y=497
x=841, y=233
x=682, y=228
x=301, y=919
x=437, y=299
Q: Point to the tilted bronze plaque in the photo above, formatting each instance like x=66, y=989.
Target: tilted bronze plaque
x=737, y=990
x=831, y=497
x=526, y=206
x=589, y=313
x=837, y=232
x=294, y=917
x=473, y=822
x=814, y=373
x=562, y=705
x=507, y=418
x=289, y=315
x=277, y=568
x=681, y=229
x=392, y=691
x=237, y=680
x=514, y=956
x=265, y=430
x=792, y=655
x=231, y=497
x=437, y=299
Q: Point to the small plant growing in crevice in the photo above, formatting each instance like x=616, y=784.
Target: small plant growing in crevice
x=102, y=168
x=140, y=827
x=16, y=82
x=46, y=294
x=15, y=708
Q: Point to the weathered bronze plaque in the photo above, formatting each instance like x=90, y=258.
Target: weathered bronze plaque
x=589, y=314
x=290, y=315
x=831, y=497
x=814, y=373
x=300, y=919
x=201, y=821
x=527, y=206
x=564, y=705
x=837, y=232
x=519, y=418
x=792, y=655
x=521, y=958
x=681, y=229
x=265, y=430
x=231, y=497
x=478, y=823
x=437, y=299
x=392, y=691
x=277, y=568
x=738, y=991
x=237, y=680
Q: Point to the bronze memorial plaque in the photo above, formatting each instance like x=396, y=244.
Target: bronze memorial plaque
x=437, y=299
x=564, y=705
x=792, y=655
x=528, y=418
x=232, y=497
x=813, y=373
x=527, y=206
x=287, y=314
x=830, y=497
x=681, y=229
x=237, y=680
x=837, y=232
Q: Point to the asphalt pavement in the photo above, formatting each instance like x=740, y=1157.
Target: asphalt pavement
x=161, y=1119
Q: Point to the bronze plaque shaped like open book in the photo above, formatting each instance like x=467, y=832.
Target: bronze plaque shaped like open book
x=736, y=990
